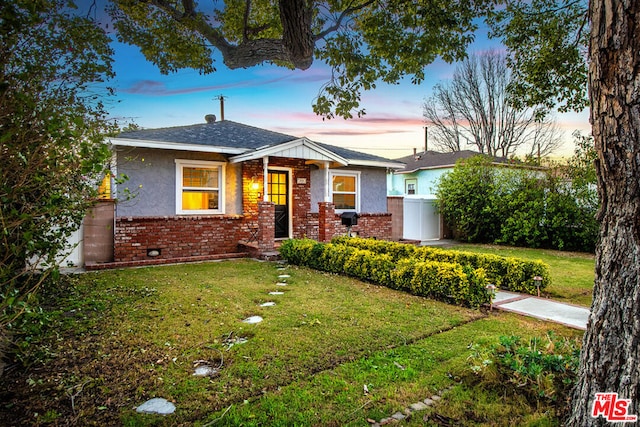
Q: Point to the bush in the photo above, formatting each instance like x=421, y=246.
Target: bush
x=540, y=368
x=507, y=273
x=538, y=208
x=443, y=281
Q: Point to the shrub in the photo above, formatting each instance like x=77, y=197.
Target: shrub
x=540, y=368
x=444, y=281
x=507, y=273
x=539, y=208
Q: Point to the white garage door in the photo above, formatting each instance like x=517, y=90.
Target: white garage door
x=421, y=219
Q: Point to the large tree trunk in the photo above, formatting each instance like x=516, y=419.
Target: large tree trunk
x=611, y=352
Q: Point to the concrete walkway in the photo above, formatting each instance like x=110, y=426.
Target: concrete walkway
x=567, y=314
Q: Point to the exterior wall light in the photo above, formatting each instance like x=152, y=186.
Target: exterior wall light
x=255, y=185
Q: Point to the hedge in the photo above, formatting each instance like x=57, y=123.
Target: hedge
x=444, y=281
x=507, y=273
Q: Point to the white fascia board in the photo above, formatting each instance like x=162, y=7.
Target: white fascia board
x=377, y=163
x=274, y=149
x=177, y=146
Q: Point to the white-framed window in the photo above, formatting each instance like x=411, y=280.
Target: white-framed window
x=345, y=190
x=410, y=186
x=199, y=187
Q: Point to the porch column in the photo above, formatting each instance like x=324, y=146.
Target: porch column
x=327, y=182
x=326, y=221
x=266, y=225
x=265, y=179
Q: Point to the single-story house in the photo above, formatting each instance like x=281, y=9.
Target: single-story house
x=412, y=188
x=223, y=188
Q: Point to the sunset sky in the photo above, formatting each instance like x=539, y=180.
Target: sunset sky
x=280, y=100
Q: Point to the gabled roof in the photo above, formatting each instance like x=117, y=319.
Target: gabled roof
x=221, y=137
x=301, y=148
x=246, y=143
x=436, y=160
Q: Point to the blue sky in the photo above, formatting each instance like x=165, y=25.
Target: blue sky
x=279, y=99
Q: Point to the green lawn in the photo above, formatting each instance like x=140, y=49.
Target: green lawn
x=572, y=273
x=114, y=339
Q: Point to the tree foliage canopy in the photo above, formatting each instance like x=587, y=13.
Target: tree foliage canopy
x=363, y=41
x=547, y=50
x=52, y=124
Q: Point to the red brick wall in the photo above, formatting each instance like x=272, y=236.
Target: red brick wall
x=177, y=237
x=395, y=206
x=376, y=225
x=267, y=225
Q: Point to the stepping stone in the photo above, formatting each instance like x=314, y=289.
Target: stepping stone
x=268, y=304
x=281, y=284
x=429, y=402
x=253, y=319
x=418, y=406
x=157, y=405
x=276, y=293
x=205, y=371
x=283, y=276
x=398, y=416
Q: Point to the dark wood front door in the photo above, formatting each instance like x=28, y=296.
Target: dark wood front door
x=278, y=191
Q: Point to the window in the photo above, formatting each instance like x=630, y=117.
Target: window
x=410, y=186
x=345, y=190
x=199, y=187
x=104, y=189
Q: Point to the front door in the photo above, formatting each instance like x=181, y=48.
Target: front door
x=278, y=191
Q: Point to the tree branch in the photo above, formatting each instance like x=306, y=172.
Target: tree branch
x=348, y=11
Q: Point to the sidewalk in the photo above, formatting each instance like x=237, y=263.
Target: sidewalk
x=567, y=314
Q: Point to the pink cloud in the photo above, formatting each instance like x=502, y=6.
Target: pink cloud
x=157, y=88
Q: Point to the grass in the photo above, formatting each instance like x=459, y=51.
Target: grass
x=572, y=273
x=117, y=338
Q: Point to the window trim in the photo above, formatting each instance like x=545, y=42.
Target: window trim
x=407, y=183
x=180, y=165
x=356, y=174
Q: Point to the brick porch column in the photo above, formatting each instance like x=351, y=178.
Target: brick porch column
x=266, y=225
x=326, y=221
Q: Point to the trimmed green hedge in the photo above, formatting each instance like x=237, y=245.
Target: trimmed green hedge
x=444, y=281
x=507, y=273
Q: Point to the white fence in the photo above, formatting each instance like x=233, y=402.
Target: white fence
x=421, y=220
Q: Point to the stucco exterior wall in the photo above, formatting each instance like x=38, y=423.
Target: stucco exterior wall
x=152, y=181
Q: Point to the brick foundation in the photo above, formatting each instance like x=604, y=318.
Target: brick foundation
x=178, y=237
